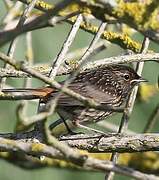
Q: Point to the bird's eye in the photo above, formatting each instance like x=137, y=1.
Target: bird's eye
x=126, y=76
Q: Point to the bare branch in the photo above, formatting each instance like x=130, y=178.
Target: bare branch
x=62, y=53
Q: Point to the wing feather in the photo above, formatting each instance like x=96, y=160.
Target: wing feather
x=85, y=90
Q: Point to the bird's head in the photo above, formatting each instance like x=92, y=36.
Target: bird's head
x=126, y=77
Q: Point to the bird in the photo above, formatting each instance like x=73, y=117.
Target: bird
x=107, y=85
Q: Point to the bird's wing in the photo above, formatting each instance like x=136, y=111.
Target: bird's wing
x=86, y=90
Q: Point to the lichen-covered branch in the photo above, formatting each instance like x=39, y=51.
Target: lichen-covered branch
x=95, y=143
x=63, y=70
x=122, y=40
x=114, y=142
x=132, y=14
x=90, y=163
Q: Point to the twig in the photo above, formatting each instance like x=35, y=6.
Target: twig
x=124, y=59
x=10, y=53
x=52, y=74
x=113, y=142
x=72, y=57
x=129, y=106
x=11, y=13
x=62, y=53
x=22, y=107
x=8, y=3
x=45, y=68
x=85, y=57
x=36, y=22
x=12, y=45
x=26, y=13
x=152, y=120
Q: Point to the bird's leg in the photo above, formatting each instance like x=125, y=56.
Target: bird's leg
x=67, y=127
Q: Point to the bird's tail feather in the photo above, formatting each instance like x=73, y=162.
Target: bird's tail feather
x=25, y=94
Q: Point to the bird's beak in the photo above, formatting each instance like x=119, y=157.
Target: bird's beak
x=139, y=80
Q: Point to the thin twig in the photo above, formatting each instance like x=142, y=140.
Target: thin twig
x=113, y=142
x=152, y=120
x=65, y=47
x=10, y=53
x=129, y=106
x=36, y=22
x=54, y=69
x=22, y=107
x=8, y=3
x=11, y=13
x=12, y=45
x=26, y=13
x=50, y=139
x=124, y=59
x=53, y=102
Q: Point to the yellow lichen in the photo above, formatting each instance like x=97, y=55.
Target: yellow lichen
x=122, y=40
x=36, y=147
x=146, y=91
x=144, y=16
x=134, y=10
x=42, y=4
x=153, y=21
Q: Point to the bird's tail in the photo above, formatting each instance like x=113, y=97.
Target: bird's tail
x=25, y=94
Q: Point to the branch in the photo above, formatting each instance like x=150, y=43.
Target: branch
x=97, y=143
x=45, y=68
x=126, y=14
x=90, y=163
x=122, y=40
x=113, y=142
x=129, y=106
x=129, y=14
x=39, y=21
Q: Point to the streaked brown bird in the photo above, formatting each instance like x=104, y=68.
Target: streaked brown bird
x=108, y=85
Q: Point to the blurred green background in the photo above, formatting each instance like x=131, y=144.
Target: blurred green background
x=46, y=45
